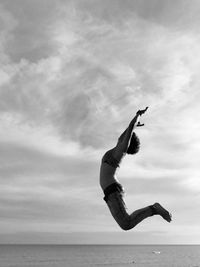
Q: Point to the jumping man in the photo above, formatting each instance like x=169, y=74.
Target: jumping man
x=128, y=143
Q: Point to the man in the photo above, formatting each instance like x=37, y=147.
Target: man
x=128, y=143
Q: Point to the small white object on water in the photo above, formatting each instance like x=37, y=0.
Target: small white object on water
x=156, y=252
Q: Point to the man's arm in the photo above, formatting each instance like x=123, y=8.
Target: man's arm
x=124, y=139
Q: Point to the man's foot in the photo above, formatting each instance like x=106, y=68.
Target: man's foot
x=162, y=212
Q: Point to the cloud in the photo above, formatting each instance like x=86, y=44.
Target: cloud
x=21, y=161
x=37, y=187
x=31, y=35
x=86, y=81
x=73, y=74
x=163, y=13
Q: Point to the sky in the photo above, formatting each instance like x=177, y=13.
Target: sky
x=72, y=76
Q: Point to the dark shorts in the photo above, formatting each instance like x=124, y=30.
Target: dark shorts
x=115, y=187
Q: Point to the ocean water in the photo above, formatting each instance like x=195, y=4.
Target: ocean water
x=99, y=255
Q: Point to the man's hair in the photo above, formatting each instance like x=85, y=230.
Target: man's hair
x=134, y=145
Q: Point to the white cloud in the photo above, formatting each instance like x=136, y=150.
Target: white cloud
x=72, y=77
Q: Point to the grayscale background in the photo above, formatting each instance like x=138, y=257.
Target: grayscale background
x=72, y=76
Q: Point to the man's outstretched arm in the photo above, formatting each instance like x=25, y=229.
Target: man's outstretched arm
x=124, y=139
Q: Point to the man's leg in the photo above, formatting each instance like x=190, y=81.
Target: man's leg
x=119, y=212
x=141, y=214
x=125, y=221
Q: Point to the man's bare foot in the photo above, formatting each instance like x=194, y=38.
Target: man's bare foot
x=162, y=212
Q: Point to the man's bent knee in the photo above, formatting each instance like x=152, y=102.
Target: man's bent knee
x=125, y=224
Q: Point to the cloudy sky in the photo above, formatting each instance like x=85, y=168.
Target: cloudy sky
x=73, y=73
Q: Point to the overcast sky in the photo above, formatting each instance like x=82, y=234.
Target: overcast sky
x=73, y=74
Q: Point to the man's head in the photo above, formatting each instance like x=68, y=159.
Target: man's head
x=134, y=145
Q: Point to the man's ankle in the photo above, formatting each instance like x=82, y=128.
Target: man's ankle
x=153, y=209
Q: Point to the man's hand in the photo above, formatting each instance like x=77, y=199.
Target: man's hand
x=140, y=124
x=141, y=111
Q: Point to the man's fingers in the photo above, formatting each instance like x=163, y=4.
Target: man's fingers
x=144, y=110
x=140, y=124
x=141, y=111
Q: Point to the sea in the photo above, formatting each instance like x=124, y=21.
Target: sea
x=99, y=255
